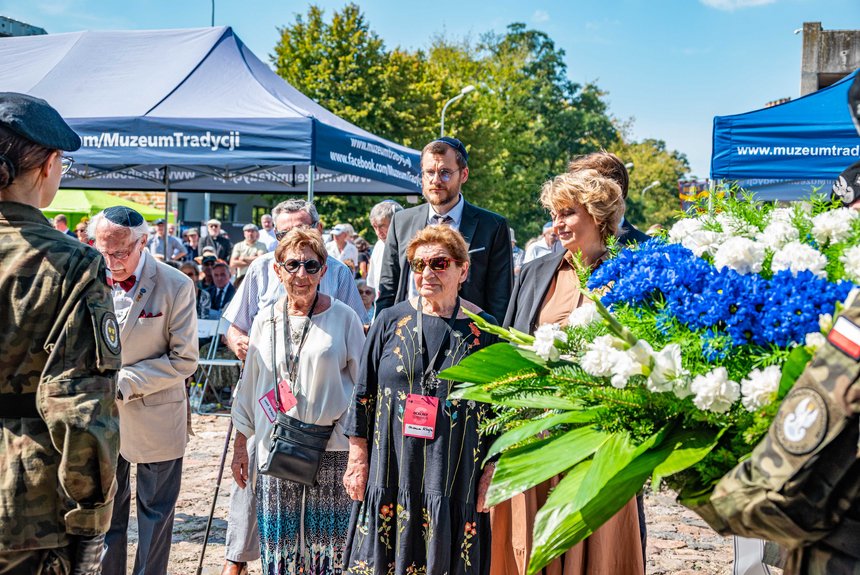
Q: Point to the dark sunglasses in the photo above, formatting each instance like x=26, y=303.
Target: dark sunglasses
x=437, y=264
x=292, y=266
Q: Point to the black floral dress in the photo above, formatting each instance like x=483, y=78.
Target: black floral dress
x=419, y=514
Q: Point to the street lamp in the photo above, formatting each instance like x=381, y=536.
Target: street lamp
x=653, y=184
x=463, y=92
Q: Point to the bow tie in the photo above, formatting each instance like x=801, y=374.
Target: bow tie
x=125, y=284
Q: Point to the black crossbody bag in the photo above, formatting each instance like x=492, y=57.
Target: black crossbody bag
x=297, y=447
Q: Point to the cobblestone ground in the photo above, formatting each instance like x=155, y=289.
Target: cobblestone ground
x=678, y=541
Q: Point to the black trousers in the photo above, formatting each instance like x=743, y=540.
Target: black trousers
x=157, y=492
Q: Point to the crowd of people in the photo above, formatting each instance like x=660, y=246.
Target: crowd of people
x=349, y=455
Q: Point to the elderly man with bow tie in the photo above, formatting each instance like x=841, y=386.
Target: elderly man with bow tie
x=155, y=307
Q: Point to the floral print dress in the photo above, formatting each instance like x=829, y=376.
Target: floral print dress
x=419, y=514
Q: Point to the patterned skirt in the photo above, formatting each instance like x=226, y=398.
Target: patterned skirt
x=303, y=529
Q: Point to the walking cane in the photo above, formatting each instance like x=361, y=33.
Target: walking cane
x=215, y=497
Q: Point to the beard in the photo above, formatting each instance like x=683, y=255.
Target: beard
x=441, y=197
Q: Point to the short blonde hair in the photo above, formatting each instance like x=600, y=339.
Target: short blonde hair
x=600, y=196
x=445, y=236
x=299, y=238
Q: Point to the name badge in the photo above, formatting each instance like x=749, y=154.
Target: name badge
x=419, y=417
x=288, y=401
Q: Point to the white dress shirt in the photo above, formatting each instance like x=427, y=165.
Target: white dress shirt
x=374, y=269
x=123, y=300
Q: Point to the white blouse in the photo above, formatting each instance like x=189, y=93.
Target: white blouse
x=326, y=374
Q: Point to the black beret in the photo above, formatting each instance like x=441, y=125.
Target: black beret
x=456, y=144
x=123, y=216
x=854, y=101
x=846, y=188
x=34, y=119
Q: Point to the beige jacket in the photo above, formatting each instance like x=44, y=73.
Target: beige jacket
x=158, y=354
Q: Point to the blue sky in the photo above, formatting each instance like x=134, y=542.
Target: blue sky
x=669, y=65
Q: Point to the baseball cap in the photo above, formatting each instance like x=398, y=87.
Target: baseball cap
x=456, y=144
x=35, y=119
x=846, y=188
x=250, y=228
x=159, y=221
x=547, y=226
x=214, y=222
x=208, y=260
x=339, y=229
x=208, y=250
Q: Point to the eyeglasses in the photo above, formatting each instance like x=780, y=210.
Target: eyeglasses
x=292, y=266
x=121, y=255
x=437, y=264
x=368, y=291
x=66, y=164
x=444, y=175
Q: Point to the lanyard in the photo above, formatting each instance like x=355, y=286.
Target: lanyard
x=292, y=358
x=449, y=327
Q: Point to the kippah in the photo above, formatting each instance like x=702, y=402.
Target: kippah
x=123, y=216
x=456, y=144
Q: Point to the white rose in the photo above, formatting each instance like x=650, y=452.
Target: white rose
x=703, y=242
x=798, y=257
x=599, y=356
x=743, y=255
x=683, y=228
x=759, y=387
x=777, y=234
x=545, y=338
x=833, y=226
x=814, y=340
x=583, y=316
x=667, y=370
x=714, y=391
x=851, y=260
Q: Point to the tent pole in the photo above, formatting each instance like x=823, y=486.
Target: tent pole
x=166, y=210
x=311, y=183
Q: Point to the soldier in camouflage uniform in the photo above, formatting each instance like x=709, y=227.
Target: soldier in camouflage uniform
x=801, y=486
x=60, y=352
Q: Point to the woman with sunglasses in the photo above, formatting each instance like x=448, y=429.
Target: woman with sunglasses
x=316, y=342
x=586, y=210
x=416, y=462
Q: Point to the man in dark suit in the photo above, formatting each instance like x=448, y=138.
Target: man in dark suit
x=611, y=166
x=221, y=291
x=222, y=246
x=444, y=169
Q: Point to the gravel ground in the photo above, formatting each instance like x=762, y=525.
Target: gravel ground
x=679, y=542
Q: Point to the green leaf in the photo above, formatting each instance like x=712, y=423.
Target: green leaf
x=585, y=500
x=529, y=430
x=531, y=400
x=791, y=370
x=493, y=363
x=524, y=467
x=690, y=448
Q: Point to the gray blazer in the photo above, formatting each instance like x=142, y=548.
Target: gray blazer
x=490, y=275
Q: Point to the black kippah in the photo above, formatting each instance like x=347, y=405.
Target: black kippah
x=123, y=216
x=456, y=144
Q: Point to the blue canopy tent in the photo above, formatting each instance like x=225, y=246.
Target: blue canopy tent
x=196, y=110
x=786, y=151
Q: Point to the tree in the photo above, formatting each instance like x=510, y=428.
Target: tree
x=652, y=162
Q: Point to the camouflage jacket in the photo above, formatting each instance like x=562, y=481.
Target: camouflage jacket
x=58, y=417
x=801, y=486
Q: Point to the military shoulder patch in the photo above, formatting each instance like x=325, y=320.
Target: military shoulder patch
x=801, y=422
x=845, y=336
x=110, y=332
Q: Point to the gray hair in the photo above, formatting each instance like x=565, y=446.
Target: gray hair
x=137, y=232
x=292, y=206
x=383, y=211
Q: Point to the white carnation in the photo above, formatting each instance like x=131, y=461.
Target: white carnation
x=851, y=260
x=833, y=226
x=635, y=361
x=582, y=316
x=814, y=340
x=683, y=228
x=667, y=371
x=743, y=255
x=825, y=322
x=759, y=387
x=703, y=242
x=545, y=338
x=784, y=215
x=714, y=391
x=777, y=234
x=599, y=357
x=798, y=257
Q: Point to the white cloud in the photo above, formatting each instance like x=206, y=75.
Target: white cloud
x=540, y=16
x=732, y=5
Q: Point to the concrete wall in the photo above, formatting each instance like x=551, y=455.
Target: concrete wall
x=828, y=56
